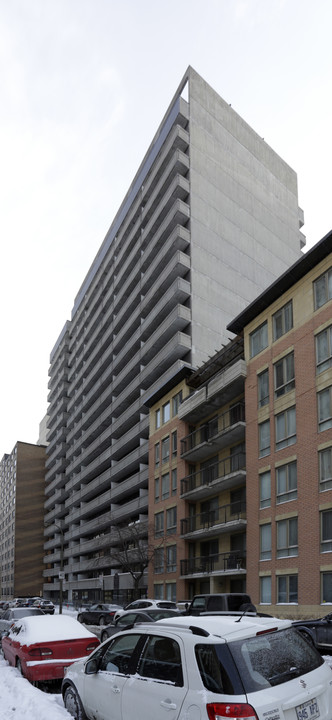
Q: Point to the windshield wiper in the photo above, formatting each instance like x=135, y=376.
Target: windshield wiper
x=288, y=674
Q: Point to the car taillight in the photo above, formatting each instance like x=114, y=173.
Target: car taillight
x=40, y=652
x=92, y=647
x=234, y=711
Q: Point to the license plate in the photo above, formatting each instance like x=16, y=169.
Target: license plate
x=308, y=710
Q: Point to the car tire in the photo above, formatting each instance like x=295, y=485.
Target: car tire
x=80, y=618
x=19, y=666
x=73, y=704
x=102, y=620
x=104, y=636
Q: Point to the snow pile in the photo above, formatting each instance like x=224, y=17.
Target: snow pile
x=19, y=700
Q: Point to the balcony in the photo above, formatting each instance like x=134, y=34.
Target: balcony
x=228, y=563
x=226, y=518
x=222, y=475
x=223, y=430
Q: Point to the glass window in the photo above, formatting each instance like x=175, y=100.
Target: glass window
x=174, y=481
x=176, y=401
x=285, y=428
x=258, y=340
x=156, y=489
x=159, y=560
x=265, y=541
x=324, y=350
x=287, y=543
x=326, y=585
x=325, y=469
x=118, y=654
x=286, y=477
x=165, y=449
x=282, y=320
x=284, y=376
x=263, y=388
x=326, y=531
x=323, y=289
x=265, y=590
x=161, y=660
x=324, y=409
x=166, y=412
x=174, y=443
x=287, y=589
x=157, y=418
x=165, y=486
x=159, y=524
x=170, y=591
x=264, y=438
x=171, y=521
x=171, y=558
x=158, y=591
x=157, y=454
x=265, y=489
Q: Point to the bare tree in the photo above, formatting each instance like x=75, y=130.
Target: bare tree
x=134, y=551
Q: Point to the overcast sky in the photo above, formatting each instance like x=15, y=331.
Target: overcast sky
x=84, y=85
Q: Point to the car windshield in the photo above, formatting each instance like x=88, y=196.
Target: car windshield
x=273, y=658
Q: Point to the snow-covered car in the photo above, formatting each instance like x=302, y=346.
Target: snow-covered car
x=98, y=614
x=130, y=617
x=207, y=668
x=43, y=647
x=146, y=604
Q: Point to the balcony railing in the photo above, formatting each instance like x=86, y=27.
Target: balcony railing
x=216, y=471
x=224, y=562
x=213, y=428
x=230, y=513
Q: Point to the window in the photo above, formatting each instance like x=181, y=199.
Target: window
x=286, y=477
x=325, y=469
x=159, y=524
x=171, y=558
x=282, y=320
x=165, y=449
x=287, y=544
x=323, y=289
x=165, y=486
x=326, y=585
x=174, y=443
x=326, y=531
x=171, y=591
x=158, y=591
x=157, y=418
x=166, y=412
x=263, y=388
x=287, y=589
x=161, y=660
x=264, y=438
x=176, y=401
x=284, y=376
x=158, y=560
x=258, y=340
x=157, y=454
x=265, y=542
x=265, y=590
x=265, y=489
x=174, y=481
x=324, y=350
x=171, y=521
x=118, y=654
x=156, y=489
x=324, y=409
x=285, y=428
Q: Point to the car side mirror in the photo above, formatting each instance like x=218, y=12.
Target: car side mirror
x=91, y=667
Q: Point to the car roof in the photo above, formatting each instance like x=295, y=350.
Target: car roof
x=227, y=627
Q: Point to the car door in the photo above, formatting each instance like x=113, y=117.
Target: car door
x=11, y=644
x=323, y=632
x=103, y=691
x=159, y=686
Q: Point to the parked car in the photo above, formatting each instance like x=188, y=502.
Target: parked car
x=224, y=602
x=12, y=614
x=145, y=603
x=129, y=617
x=42, y=648
x=218, y=667
x=99, y=614
x=317, y=632
x=45, y=605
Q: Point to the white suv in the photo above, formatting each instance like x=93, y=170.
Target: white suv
x=144, y=604
x=206, y=668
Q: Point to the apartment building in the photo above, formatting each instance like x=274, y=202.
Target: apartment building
x=210, y=219
x=197, y=481
x=22, y=487
x=288, y=399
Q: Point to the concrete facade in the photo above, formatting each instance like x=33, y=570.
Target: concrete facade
x=209, y=220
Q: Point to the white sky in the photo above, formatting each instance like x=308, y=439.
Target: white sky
x=84, y=85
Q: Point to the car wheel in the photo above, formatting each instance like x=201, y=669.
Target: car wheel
x=19, y=666
x=73, y=704
x=104, y=636
x=102, y=620
x=80, y=618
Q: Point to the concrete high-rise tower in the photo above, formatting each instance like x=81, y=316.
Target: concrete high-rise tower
x=210, y=219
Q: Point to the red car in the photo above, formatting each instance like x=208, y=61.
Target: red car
x=42, y=647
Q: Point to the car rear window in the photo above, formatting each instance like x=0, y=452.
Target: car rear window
x=273, y=658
